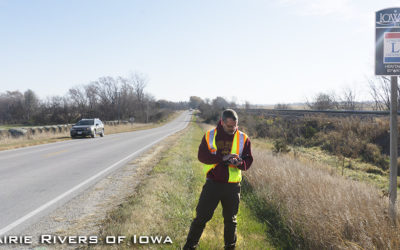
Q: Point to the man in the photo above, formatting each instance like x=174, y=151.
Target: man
x=225, y=151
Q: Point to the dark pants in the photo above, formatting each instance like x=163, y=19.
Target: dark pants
x=212, y=193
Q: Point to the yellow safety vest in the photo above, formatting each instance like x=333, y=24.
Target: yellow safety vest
x=235, y=174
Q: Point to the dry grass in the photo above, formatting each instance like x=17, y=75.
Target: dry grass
x=127, y=127
x=9, y=142
x=322, y=209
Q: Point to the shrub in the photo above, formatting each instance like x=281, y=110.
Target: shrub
x=309, y=132
x=372, y=170
x=262, y=129
x=280, y=146
x=372, y=153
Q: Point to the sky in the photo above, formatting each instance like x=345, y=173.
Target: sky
x=260, y=51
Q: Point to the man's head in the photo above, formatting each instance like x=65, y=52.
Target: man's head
x=229, y=121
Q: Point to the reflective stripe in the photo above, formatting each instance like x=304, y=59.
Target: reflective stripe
x=210, y=138
x=241, y=146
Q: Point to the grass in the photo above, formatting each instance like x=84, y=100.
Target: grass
x=165, y=202
x=354, y=169
x=319, y=209
x=9, y=142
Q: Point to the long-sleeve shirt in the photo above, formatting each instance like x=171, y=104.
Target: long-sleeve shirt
x=224, y=145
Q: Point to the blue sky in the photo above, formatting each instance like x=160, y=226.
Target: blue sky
x=264, y=52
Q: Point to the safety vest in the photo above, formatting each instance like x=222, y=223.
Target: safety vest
x=235, y=174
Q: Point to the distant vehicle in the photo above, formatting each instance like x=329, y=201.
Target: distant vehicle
x=85, y=127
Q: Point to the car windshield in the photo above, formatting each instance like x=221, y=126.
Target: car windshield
x=85, y=122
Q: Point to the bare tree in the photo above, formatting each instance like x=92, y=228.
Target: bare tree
x=247, y=105
x=220, y=103
x=106, y=98
x=79, y=101
x=139, y=82
x=348, y=99
x=195, y=102
x=12, y=107
x=92, y=99
x=31, y=103
x=323, y=101
x=108, y=93
x=281, y=106
x=380, y=92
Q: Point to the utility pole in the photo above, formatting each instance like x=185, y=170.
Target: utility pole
x=119, y=104
x=147, y=112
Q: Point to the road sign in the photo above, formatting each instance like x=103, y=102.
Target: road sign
x=387, y=38
x=387, y=62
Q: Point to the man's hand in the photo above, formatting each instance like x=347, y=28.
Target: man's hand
x=229, y=157
x=232, y=159
x=236, y=161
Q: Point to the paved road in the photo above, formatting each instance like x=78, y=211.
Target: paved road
x=36, y=180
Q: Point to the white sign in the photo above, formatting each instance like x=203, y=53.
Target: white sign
x=391, y=47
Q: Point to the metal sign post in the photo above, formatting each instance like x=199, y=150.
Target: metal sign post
x=387, y=62
x=393, y=149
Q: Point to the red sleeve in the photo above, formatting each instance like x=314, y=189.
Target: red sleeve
x=205, y=156
x=246, y=156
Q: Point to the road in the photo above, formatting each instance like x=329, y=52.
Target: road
x=36, y=180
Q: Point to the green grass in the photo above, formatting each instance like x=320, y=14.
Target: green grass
x=169, y=196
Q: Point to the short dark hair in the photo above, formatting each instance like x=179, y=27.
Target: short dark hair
x=229, y=113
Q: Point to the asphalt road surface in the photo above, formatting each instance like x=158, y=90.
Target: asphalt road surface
x=36, y=180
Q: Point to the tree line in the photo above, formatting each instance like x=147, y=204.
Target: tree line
x=347, y=99
x=108, y=98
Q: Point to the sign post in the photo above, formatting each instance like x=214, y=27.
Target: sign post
x=393, y=149
x=387, y=62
